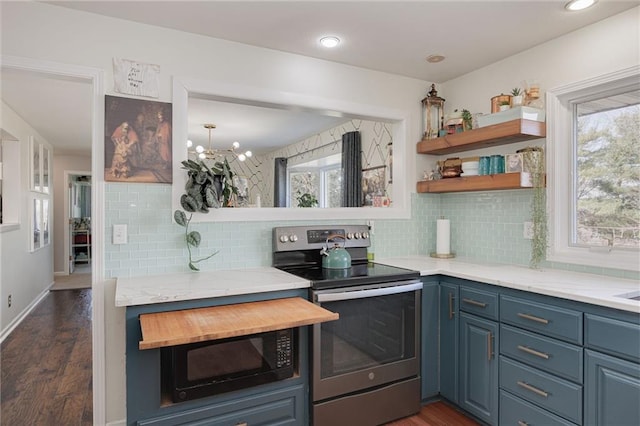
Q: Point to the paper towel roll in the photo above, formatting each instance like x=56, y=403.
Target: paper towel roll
x=443, y=236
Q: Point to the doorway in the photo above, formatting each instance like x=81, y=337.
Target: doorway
x=78, y=222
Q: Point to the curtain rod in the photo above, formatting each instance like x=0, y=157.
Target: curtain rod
x=313, y=149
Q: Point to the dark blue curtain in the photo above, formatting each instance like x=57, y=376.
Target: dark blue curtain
x=280, y=183
x=351, y=170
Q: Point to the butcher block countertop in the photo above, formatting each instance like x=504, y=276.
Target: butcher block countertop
x=172, y=328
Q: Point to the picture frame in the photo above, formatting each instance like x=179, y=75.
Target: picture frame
x=36, y=215
x=513, y=163
x=137, y=140
x=35, y=164
x=45, y=172
x=373, y=185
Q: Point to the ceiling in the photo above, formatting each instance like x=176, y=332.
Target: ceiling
x=387, y=36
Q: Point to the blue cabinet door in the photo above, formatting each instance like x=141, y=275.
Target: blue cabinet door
x=429, y=332
x=479, y=367
x=612, y=391
x=449, y=321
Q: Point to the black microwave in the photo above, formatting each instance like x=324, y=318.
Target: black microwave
x=202, y=369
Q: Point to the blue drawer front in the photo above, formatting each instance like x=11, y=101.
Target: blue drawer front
x=546, y=319
x=614, y=337
x=563, y=359
x=283, y=407
x=479, y=302
x=552, y=393
x=515, y=411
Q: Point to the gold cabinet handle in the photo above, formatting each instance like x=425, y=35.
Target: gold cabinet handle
x=242, y=424
x=489, y=346
x=450, y=305
x=533, y=389
x=533, y=352
x=474, y=303
x=522, y=423
x=533, y=318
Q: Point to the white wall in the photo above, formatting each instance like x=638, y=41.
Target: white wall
x=23, y=275
x=61, y=163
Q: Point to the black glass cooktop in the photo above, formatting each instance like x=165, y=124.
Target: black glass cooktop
x=358, y=274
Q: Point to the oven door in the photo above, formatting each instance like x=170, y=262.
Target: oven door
x=375, y=341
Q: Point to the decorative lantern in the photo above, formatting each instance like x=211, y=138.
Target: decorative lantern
x=433, y=114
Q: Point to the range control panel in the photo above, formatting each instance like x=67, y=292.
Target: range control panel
x=291, y=238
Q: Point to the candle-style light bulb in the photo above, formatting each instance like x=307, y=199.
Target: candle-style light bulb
x=199, y=149
x=242, y=157
x=248, y=153
x=236, y=145
x=189, y=143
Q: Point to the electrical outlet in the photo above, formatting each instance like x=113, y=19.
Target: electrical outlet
x=527, y=232
x=9, y=301
x=370, y=225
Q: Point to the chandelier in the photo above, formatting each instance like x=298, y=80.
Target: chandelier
x=211, y=153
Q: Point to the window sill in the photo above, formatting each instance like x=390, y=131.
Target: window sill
x=627, y=260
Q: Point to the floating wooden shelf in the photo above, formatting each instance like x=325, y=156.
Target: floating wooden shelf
x=498, y=134
x=173, y=328
x=476, y=183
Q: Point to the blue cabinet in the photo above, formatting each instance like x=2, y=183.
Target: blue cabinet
x=449, y=342
x=429, y=334
x=479, y=367
x=283, y=402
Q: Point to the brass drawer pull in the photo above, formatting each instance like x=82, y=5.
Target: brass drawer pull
x=522, y=423
x=475, y=303
x=533, y=389
x=450, y=305
x=533, y=352
x=489, y=346
x=534, y=318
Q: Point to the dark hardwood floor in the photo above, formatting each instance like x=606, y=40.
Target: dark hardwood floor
x=46, y=364
x=436, y=414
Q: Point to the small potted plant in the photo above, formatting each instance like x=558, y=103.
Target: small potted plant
x=467, y=119
x=516, y=97
x=505, y=105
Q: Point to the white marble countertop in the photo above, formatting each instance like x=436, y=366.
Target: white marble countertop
x=588, y=288
x=201, y=285
x=581, y=287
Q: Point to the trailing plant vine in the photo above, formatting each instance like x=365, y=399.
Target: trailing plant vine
x=538, y=207
x=206, y=188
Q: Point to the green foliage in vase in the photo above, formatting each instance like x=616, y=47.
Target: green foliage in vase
x=467, y=119
x=516, y=91
x=206, y=188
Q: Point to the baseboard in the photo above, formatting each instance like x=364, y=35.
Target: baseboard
x=60, y=274
x=17, y=320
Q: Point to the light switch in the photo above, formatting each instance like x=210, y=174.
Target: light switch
x=119, y=234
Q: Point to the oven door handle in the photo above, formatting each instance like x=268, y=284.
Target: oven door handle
x=361, y=294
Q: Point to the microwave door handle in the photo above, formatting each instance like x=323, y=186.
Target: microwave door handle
x=361, y=294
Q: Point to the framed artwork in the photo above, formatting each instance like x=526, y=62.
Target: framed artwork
x=36, y=215
x=34, y=168
x=137, y=140
x=513, y=163
x=44, y=179
x=373, y=185
x=44, y=224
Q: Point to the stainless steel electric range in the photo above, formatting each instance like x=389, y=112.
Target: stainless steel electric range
x=366, y=365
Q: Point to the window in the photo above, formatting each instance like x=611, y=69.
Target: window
x=594, y=156
x=316, y=183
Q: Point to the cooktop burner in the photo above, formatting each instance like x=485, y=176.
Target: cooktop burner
x=359, y=274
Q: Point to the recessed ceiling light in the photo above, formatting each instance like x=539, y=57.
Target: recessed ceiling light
x=330, y=41
x=575, y=5
x=435, y=58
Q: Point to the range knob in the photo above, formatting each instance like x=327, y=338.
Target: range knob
x=284, y=238
x=293, y=238
x=349, y=235
x=365, y=235
x=357, y=235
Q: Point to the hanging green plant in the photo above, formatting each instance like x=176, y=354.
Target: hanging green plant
x=206, y=188
x=533, y=160
x=307, y=200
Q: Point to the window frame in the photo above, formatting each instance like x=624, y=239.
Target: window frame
x=560, y=153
